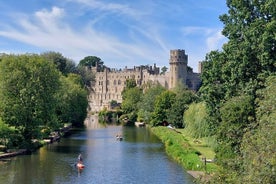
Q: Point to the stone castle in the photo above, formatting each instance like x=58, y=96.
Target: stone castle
x=109, y=84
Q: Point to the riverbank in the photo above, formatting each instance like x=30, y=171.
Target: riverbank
x=53, y=137
x=178, y=147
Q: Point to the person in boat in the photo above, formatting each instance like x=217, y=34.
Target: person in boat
x=80, y=158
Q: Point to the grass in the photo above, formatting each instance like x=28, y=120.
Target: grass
x=185, y=150
x=201, y=145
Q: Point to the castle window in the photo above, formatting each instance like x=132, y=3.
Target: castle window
x=119, y=82
x=114, y=82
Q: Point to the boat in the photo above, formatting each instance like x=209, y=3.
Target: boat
x=140, y=124
x=80, y=166
x=119, y=138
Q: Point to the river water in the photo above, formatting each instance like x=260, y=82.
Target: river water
x=138, y=159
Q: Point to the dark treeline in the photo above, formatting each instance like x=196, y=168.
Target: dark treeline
x=40, y=94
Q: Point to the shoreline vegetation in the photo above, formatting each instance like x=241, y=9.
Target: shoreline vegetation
x=53, y=137
x=192, y=154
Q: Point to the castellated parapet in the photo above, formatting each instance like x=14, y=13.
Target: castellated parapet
x=110, y=83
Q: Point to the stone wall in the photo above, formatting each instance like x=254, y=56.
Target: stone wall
x=110, y=83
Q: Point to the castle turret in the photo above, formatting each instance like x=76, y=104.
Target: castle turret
x=178, y=67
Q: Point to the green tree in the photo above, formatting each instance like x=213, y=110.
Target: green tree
x=213, y=89
x=130, y=83
x=258, y=146
x=6, y=133
x=195, y=118
x=164, y=70
x=247, y=59
x=72, y=100
x=131, y=98
x=250, y=27
x=63, y=64
x=146, y=105
x=92, y=61
x=161, y=107
x=87, y=76
x=27, y=93
x=235, y=115
x=181, y=103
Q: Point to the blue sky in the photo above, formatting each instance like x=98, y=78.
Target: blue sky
x=120, y=32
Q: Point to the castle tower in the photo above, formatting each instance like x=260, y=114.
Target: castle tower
x=178, y=67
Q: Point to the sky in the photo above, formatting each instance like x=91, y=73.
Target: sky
x=120, y=32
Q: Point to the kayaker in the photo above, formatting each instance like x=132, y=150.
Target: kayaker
x=80, y=158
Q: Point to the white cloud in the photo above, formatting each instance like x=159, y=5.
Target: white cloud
x=122, y=34
x=211, y=36
x=109, y=7
x=49, y=19
x=215, y=41
x=46, y=30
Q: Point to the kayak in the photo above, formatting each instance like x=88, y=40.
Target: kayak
x=80, y=166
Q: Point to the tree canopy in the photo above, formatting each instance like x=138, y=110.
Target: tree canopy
x=36, y=95
x=231, y=81
x=27, y=94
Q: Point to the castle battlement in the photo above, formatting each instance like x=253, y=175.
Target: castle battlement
x=110, y=83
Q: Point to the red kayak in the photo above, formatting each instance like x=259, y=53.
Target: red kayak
x=80, y=165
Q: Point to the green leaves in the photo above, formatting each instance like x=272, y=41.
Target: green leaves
x=161, y=107
x=231, y=82
x=34, y=94
x=258, y=146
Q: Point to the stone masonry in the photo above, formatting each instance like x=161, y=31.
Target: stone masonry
x=110, y=83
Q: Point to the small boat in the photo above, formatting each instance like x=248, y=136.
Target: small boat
x=119, y=137
x=80, y=166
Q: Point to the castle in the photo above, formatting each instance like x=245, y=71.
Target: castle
x=109, y=84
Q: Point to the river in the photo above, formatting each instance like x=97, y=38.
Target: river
x=139, y=158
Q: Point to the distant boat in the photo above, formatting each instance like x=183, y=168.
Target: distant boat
x=119, y=138
x=140, y=124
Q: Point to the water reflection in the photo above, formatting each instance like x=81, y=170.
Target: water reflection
x=139, y=158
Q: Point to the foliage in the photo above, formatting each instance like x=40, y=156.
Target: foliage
x=130, y=83
x=162, y=105
x=92, y=61
x=109, y=117
x=163, y=70
x=27, y=93
x=86, y=75
x=258, y=146
x=72, y=100
x=146, y=104
x=35, y=98
x=230, y=82
x=195, y=118
x=181, y=102
x=6, y=133
x=213, y=90
x=131, y=98
x=235, y=115
x=64, y=65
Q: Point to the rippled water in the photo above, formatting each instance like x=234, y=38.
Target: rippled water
x=140, y=158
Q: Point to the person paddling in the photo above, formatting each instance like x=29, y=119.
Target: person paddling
x=80, y=158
